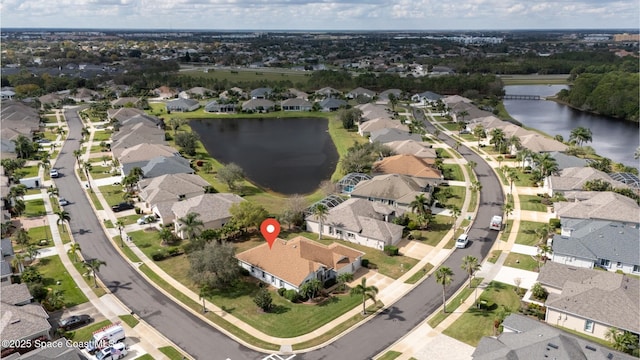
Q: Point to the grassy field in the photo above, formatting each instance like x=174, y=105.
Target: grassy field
x=390, y=355
x=102, y=135
x=85, y=333
x=53, y=272
x=521, y=261
x=454, y=172
x=438, y=228
x=171, y=353
x=532, y=203
x=39, y=233
x=34, y=208
x=129, y=320
x=534, y=79
x=419, y=274
x=527, y=232
x=494, y=255
x=113, y=194
x=240, y=76
x=476, y=323
x=453, y=304
x=27, y=172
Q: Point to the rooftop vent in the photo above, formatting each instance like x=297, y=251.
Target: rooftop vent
x=589, y=347
x=552, y=345
x=15, y=321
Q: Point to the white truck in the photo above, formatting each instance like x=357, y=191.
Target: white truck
x=106, y=337
x=496, y=223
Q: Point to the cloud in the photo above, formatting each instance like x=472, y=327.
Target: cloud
x=321, y=14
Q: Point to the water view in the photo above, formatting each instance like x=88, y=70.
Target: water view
x=285, y=155
x=612, y=138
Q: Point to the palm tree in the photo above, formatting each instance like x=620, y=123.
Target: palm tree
x=63, y=217
x=45, y=164
x=175, y=123
x=120, y=225
x=480, y=133
x=55, y=299
x=165, y=235
x=93, y=266
x=543, y=251
x=514, y=142
x=476, y=186
x=73, y=251
x=32, y=251
x=455, y=213
x=53, y=191
x=470, y=265
x=419, y=205
x=77, y=153
x=511, y=175
x=463, y=114
x=497, y=139
x=343, y=279
x=21, y=237
x=190, y=224
x=18, y=262
x=367, y=292
x=320, y=212
x=508, y=210
x=444, y=277
x=581, y=135
x=622, y=340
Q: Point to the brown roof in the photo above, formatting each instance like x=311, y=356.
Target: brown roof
x=293, y=260
x=407, y=165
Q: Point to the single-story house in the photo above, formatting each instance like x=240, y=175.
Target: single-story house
x=290, y=264
x=197, y=92
x=574, y=179
x=365, y=128
x=216, y=107
x=598, y=205
x=170, y=187
x=123, y=113
x=331, y=104
x=359, y=221
x=295, y=104
x=328, y=92
x=388, y=135
x=164, y=92
x=84, y=95
x=394, y=190
x=135, y=134
x=590, y=301
x=525, y=338
x=426, y=98
x=139, y=155
x=259, y=105
x=124, y=101
x=407, y=165
x=383, y=97
x=604, y=244
x=412, y=147
x=357, y=92
x=261, y=93
x=212, y=208
x=372, y=111
x=183, y=105
x=23, y=319
x=17, y=118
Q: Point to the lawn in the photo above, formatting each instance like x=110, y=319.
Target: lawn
x=129, y=320
x=112, y=193
x=53, y=271
x=342, y=140
x=532, y=203
x=100, y=172
x=64, y=234
x=524, y=179
x=85, y=333
x=49, y=119
x=102, y=135
x=27, y=172
x=521, y=261
x=438, y=228
x=452, y=172
x=171, y=353
x=494, y=255
x=527, y=232
x=130, y=219
x=457, y=196
x=419, y=274
x=99, y=291
x=96, y=202
x=34, y=208
x=453, y=304
x=39, y=233
x=390, y=355
x=506, y=231
x=476, y=323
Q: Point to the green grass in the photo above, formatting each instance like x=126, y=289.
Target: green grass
x=506, y=231
x=171, y=353
x=64, y=234
x=108, y=224
x=521, y=261
x=476, y=323
x=524, y=179
x=453, y=304
x=419, y=274
x=194, y=305
x=342, y=140
x=240, y=76
x=101, y=135
x=127, y=251
x=594, y=339
x=390, y=355
x=457, y=196
x=49, y=119
x=473, y=201
x=85, y=333
x=145, y=357
x=99, y=291
x=129, y=320
x=532, y=203
x=100, y=172
x=34, y=208
x=147, y=241
x=27, y=172
x=494, y=255
x=53, y=271
x=96, y=202
x=438, y=228
x=527, y=232
x=112, y=194
x=39, y=233
x=453, y=172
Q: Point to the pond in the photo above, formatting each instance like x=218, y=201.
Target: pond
x=284, y=155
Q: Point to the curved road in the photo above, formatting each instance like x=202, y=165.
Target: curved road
x=201, y=340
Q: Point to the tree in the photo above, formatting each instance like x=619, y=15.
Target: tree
x=230, y=174
x=120, y=226
x=538, y=291
x=53, y=191
x=455, y=213
x=622, y=340
x=207, y=167
x=188, y=142
x=463, y=114
x=508, y=210
x=215, y=266
x=512, y=176
x=367, y=292
x=32, y=252
x=597, y=185
x=264, y=300
x=63, y=217
x=93, y=266
x=190, y=225
x=581, y=135
x=21, y=237
x=543, y=251
x=470, y=265
x=175, y=123
x=444, y=277
x=166, y=236
x=30, y=275
x=320, y=213
x=343, y=279
x=393, y=100
x=480, y=133
x=55, y=299
x=247, y=214
x=350, y=117
x=73, y=251
x=498, y=140
x=419, y=205
x=310, y=288
x=294, y=212
x=77, y=153
x=136, y=174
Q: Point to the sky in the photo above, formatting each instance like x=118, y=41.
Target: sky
x=321, y=14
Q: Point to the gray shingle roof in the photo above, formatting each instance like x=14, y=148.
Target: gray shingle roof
x=6, y=247
x=604, y=205
x=169, y=187
x=60, y=351
x=24, y=322
x=211, y=207
x=574, y=178
x=163, y=165
x=387, y=135
x=15, y=294
x=400, y=188
x=602, y=296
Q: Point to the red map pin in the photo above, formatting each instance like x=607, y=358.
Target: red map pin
x=270, y=228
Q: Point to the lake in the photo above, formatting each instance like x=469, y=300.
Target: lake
x=612, y=138
x=284, y=155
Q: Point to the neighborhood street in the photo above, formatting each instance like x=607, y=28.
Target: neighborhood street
x=201, y=340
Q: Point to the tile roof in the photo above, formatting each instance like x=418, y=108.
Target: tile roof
x=529, y=339
x=293, y=260
x=407, y=165
x=602, y=296
x=211, y=207
x=605, y=205
x=412, y=147
x=400, y=188
x=169, y=187
x=600, y=239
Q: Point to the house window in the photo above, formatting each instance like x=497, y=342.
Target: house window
x=605, y=263
x=339, y=232
x=252, y=268
x=588, y=326
x=281, y=283
x=351, y=235
x=618, y=264
x=263, y=274
x=331, y=230
x=636, y=268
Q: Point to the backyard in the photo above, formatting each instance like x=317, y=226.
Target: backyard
x=56, y=277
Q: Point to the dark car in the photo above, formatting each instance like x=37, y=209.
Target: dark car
x=122, y=206
x=74, y=321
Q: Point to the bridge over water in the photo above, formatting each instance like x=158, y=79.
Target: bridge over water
x=523, y=97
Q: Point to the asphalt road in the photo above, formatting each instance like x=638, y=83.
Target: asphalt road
x=205, y=342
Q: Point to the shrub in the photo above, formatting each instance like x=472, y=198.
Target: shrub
x=554, y=223
x=364, y=263
x=329, y=283
x=244, y=272
x=372, y=266
x=138, y=210
x=412, y=225
x=160, y=255
x=281, y=291
x=538, y=291
x=174, y=251
x=391, y=250
x=291, y=295
x=263, y=300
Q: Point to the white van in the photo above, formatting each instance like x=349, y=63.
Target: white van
x=462, y=241
x=496, y=223
x=106, y=337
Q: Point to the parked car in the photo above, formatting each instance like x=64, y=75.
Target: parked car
x=54, y=173
x=117, y=351
x=122, y=206
x=462, y=241
x=146, y=219
x=74, y=321
x=43, y=141
x=63, y=202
